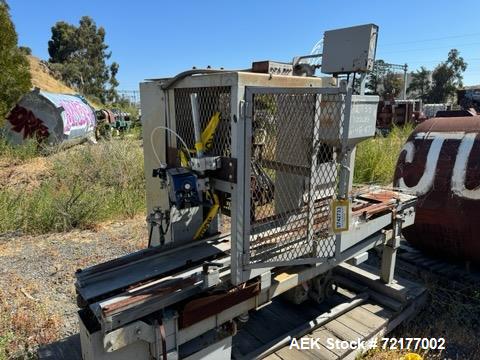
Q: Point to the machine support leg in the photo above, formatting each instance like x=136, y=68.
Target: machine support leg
x=389, y=255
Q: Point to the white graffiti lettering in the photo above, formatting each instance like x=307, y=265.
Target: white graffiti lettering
x=426, y=181
x=459, y=170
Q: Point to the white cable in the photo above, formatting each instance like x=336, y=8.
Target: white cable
x=174, y=133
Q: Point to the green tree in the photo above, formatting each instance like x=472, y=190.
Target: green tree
x=420, y=85
x=112, y=94
x=25, y=50
x=447, y=77
x=375, y=77
x=63, y=44
x=392, y=85
x=14, y=74
x=80, y=54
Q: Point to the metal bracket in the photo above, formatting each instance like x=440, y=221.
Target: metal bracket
x=211, y=274
x=265, y=281
x=129, y=334
x=206, y=163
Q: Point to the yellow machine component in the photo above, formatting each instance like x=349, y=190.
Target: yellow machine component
x=207, y=139
x=183, y=157
x=207, y=134
x=210, y=216
x=198, y=147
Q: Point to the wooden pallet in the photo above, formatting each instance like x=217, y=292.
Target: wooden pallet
x=383, y=310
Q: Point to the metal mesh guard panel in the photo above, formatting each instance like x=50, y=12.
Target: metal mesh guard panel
x=210, y=100
x=293, y=175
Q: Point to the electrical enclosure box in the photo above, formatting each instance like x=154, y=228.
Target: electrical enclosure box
x=350, y=49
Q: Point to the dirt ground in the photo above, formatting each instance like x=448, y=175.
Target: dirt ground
x=37, y=293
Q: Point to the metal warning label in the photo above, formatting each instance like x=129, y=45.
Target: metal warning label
x=340, y=210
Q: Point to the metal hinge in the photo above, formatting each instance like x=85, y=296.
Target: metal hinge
x=244, y=108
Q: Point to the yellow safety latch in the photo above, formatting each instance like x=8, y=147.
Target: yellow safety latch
x=212, y=212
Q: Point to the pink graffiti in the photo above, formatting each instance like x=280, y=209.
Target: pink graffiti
x=76, y=114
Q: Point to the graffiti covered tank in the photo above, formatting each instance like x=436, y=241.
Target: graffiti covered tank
x=440, y=163
x=53, y=118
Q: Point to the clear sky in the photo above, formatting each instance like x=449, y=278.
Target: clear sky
x=161, y=38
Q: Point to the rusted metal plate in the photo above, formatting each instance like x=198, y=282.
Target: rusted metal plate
x=204, y=307
x=440, y=163
x=147, y=293
x=380, y=196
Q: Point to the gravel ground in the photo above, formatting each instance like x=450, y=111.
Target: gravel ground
x=41, y=268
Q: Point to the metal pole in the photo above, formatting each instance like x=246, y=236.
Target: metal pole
x=196, y=125
x=405, y=70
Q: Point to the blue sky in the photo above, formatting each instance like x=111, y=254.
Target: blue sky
x=161, y=38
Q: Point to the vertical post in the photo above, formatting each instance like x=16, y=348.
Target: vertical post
x=314, y=174
x=345, y=152
x=389, y=255
x=197, y=128
x=345, y=161
x=363, y=81
x=239, y=217
x=405, y=72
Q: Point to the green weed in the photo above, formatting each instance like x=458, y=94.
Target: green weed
x=88, y=184
x=376, y=158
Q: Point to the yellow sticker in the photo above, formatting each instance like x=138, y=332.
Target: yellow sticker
x=340, y=215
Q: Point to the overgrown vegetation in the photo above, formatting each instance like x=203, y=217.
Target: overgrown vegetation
x=85, y=185
x=15, y=76
x=16, y=154
x=376, y=158
x=125, y=105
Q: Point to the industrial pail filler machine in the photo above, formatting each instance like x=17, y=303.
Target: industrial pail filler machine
x=249, y=194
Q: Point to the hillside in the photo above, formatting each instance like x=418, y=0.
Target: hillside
x=43, y=79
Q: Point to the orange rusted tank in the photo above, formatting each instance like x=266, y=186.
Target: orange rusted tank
x=440, y=163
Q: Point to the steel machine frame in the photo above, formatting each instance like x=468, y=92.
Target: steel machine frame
x=249, y=191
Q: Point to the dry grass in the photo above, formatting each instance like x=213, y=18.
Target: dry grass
x=25, y=321
x=42, y=79
x=378, y=354
x=27, y=175
x=452, y=312
x=37, y=293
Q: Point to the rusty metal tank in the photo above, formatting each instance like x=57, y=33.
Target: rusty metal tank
x=440, y=163
x=53, y=118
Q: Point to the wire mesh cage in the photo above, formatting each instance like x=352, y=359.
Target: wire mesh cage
x=293, y=174
x=211, y=100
